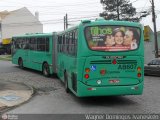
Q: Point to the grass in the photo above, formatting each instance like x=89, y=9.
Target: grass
x=6, y=57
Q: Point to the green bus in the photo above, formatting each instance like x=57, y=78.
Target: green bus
x=34, y=51
x=94, y=58
x=102, y=58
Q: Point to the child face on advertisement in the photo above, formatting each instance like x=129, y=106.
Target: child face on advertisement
x=119, y=38
x=109, y=40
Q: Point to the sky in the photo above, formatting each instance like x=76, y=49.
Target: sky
x=52, y=12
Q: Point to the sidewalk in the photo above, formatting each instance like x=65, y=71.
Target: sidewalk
x=13, y=94
x=6, y=57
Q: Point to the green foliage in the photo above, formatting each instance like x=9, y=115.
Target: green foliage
x=119, y=10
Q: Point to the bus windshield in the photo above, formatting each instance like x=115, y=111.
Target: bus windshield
x=112, y=38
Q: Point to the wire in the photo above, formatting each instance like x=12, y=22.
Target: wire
x=135, y=1
x=47, y=22
x=43, y=6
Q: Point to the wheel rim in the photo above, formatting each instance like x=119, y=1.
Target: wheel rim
x=66, y=83
x=20, y=63
x=46, y=70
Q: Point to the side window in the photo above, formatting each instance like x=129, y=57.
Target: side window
x=63, y=44
x=19, y=43
x=153, y=62
x=74, y=42
x=70, y=43
x=16, y=43
x=47, y=44
x=33, y=43
x=157, y=62
x=26, y=43
x=40, y=44
x=59, y=43
x=13, y=43
x=67, y=43
x=43, y=44
x=23, y=43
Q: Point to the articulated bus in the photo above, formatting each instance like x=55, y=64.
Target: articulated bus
x=95, y=58
x=34, y=51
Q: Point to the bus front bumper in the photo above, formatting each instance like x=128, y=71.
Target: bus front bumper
x=83, y=90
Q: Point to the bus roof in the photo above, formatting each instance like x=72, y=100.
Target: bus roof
x=34, y=35
x=102, y=21
x=69, y=29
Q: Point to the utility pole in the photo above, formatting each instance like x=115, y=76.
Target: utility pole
x=118, y=14
x=155, y=29
x=66, y=21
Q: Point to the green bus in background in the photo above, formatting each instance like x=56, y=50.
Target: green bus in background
x=94, y=58
x=34, y=51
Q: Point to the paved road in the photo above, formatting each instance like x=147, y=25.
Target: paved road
x=7, y=66
x=52, y=99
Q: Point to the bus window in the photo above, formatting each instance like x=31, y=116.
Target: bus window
x=63, y=44
x=70, y=43
x=67, y=44
x=26, y=43
x=74, y=42
x=16, y=43
x=112, y=38
x=40, y=44
x=33, y=44
x=59, y=43
x=47, y=44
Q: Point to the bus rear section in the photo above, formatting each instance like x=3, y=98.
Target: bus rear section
x=113, y=61
x=111, y=75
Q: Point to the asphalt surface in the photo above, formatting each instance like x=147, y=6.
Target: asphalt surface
x=7, y=66
x=12, y=93
x=12, y=86
x=50, y=97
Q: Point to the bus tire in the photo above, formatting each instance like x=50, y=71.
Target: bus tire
x=20, y=63
x=66, y=82
x=45, y=70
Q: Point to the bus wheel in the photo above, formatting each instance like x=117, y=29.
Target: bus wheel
x=45, y=70
x=20, y=63
x=66, y=82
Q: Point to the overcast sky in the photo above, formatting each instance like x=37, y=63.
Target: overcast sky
x=51, y=12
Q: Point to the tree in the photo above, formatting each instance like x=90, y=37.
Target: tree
x=121, y=10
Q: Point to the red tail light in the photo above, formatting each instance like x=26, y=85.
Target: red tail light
x=139, y=75
x=114, y=62
x=86, y=76
x=103, y=72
